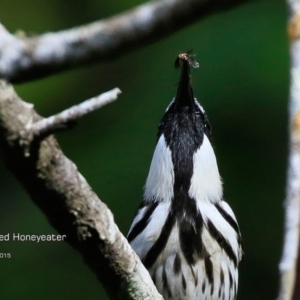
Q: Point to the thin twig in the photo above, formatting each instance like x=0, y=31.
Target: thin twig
x=290, y=278
x=61, y=120
x=27, y=58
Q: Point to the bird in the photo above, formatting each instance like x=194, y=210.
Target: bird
x=184, y=232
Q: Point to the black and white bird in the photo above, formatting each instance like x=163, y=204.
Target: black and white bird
x=184, y=232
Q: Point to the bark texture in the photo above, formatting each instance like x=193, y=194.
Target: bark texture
x=72, y=208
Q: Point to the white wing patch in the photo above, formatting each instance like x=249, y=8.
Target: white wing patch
x=160, y=181
x=144, y=241
x=210, y=212
x=228, y=209
x=206, y=183
x=140, y=214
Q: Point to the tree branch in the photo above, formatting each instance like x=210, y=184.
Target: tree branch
x=61, y=120
x=71, y=206
x=289, y=275
x=23, y=59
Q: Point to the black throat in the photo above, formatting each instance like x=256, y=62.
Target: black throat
x=183, y=127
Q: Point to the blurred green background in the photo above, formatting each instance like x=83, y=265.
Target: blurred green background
x=243, y=85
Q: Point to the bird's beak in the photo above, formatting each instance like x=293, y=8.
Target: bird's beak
x=185, y=96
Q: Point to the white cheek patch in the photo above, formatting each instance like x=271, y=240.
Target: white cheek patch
x=160, y=181
x=206, y=183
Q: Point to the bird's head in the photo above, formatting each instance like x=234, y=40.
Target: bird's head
x=184, y=164
x=185, y=112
